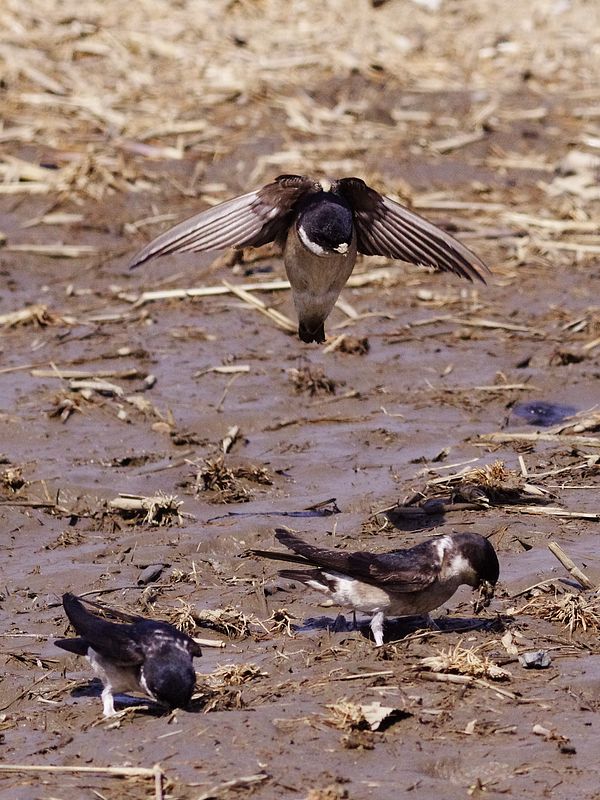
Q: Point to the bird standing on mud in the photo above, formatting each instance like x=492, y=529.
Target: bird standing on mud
x=321, y=225
x=142, y=656
x=399, y=583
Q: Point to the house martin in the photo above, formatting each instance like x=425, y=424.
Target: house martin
x=321, y=226
x=143, y=655
x=400, y=583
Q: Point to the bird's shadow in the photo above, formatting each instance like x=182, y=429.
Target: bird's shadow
x=398, y=628
x=417, y=518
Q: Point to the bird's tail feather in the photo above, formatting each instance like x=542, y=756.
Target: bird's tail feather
x=278, y=555
x=77, y=646
x=303, y=576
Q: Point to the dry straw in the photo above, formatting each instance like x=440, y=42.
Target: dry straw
x=155, y=773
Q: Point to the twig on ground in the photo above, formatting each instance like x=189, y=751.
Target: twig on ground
x=570, y=566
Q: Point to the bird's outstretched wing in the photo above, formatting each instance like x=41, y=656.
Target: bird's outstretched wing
x=385, y=228
x=249, y=220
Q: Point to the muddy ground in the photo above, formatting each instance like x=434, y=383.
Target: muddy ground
x=427, y=369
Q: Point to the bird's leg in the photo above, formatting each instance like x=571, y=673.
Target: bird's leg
x=377, y=628
x=108, y=703
x=354, y=625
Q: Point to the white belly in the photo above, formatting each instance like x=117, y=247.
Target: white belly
x=119, y=679
x=371, y=599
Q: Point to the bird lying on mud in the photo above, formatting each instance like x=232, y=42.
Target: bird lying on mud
x=398, y=583
x=321, y=225
x=141, y=656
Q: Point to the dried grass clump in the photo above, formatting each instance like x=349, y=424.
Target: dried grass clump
x=574, y=611
x=332, y=792
x=66, y=403
x=227, y=483
x=233, y=623
x=185, y=575
x=491, y=483
x=255, y=474
x=234, y=675
x=465, y=661
x=38, y=315
x=67, y=538
x=311, y=381
x=494, y=476
x=158, y=509
x=12, y=479
x=221, y=689
x=223, y=698
x=354, y=345
x=216, y=477
x=183, y=618
x=347, y=716
x=280, y=621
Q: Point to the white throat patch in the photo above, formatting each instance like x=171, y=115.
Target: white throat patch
x=310, y=245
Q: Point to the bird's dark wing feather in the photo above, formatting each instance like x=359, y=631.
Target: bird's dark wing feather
x=111, y=613
x=402, y=571
x=125, y=644
x=110, y=639
x=309, y=553
x=250, y=220
x=153, y=636
x=277, y=555
x=74, y=645
x=385, y=228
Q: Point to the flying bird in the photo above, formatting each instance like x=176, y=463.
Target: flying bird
x=321, y=225
x=141, y=656
x=399, y=583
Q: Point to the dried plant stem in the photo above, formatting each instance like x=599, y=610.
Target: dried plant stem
x=354, y=281
x=209, y=642
x=477, y=322
x=244, y=781
x=465, y=680
x=359, y=675
x=551, y=511
x=276, y=316
x=570, y=566
x=123, y=772
x=131, y=772
x=505, y=438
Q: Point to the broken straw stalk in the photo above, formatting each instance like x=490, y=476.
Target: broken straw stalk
x=155, y=772
x=570, y=566
x=355, y=281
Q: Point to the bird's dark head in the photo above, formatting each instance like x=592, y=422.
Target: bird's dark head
x=169, y=677
x=474, y=558
x=480, y=565
x=325, y=223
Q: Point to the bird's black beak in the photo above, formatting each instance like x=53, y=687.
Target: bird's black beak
x=484, y=596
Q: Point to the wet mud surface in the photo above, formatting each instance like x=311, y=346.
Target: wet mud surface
x=235, y=427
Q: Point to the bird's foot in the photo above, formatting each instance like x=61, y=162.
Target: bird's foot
x=377, y=628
